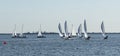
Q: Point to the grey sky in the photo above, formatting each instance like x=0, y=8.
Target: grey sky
x=49, y=13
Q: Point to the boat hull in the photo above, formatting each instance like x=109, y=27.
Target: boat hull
x=41, y=37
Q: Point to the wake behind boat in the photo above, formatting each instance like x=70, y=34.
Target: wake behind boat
x=85, y=31
x=103, y=31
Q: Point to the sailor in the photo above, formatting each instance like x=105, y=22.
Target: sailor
x=88, y=38
x=106, y=37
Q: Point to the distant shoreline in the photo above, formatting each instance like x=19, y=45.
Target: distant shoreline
x=58, y=33
x=30, y=33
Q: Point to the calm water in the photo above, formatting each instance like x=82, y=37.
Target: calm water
x=53, y=45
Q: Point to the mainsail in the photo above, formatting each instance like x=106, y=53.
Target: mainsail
x=80, y=30
x=73, y=31
x=85, y=29
x=103, y=29
x=21, y=34
x=66, y=29
x=14, y=32
x=60, y=30
x=39, y=33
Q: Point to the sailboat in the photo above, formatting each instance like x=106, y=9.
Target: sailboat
x=21, y=34
x=60, y=31
x=85, y=31
x=103, y=31
x=40, y=33
x=67, y=36
x=80, y=31
x=73, y=34
x=14, y=34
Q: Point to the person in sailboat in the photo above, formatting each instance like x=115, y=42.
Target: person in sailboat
x=88, y=37
x=68, y=36
x=106, y=37
x=63, y=35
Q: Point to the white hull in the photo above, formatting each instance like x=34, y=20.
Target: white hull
x=41, y=37
x=19, y=36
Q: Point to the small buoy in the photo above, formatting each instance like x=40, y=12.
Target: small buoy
x=4, y=42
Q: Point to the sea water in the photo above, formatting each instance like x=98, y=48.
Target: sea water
x=53, y=45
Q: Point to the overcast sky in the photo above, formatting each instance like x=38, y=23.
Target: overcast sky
x=49, y=13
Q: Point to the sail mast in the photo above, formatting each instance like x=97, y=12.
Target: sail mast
x=14, y=31
x=21, y=34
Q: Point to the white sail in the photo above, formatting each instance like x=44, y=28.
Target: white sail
x=80, y=30
x=39, y=33
x=85, y=26
x=85, y=29
x=60, y=30
x=103, y=29
x=21, y=34
x=73, y=31
x=66, y=29
x=14, y=32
